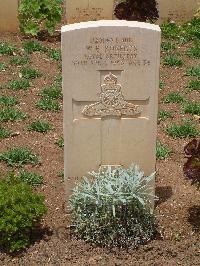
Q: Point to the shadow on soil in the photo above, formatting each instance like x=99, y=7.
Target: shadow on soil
x=163, y=193
x=194, y=217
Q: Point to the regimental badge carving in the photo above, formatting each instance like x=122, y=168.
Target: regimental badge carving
x=112, y=102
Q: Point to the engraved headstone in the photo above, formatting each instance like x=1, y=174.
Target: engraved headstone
x=88, y=10
x=8, y=15
x=110, y=86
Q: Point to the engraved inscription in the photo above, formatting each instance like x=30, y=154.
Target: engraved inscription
x=90, y=13
x=112, y=101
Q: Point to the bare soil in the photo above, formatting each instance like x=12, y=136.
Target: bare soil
x=177, y=211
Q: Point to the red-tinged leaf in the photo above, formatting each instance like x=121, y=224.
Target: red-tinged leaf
x=192, y=169
x=191, y=147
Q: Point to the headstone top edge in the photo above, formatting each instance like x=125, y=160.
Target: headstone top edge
x=109, y=23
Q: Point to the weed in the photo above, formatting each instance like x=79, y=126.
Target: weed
x=19, y=84
x=29, y=73
x=186, y=130
x=174, y=97
x=192, y=108
x=40, y=126
x=163, y=115
x=7, y=49
x=162, y=151
x=29, y=178
x=193, y=71
x=170, y=30
x=55, y=54
x=194, y=85
x=48, y=104
x=161, y=84
x=8, y=100
x=52, y=92
x=4, y=133
x=172, y=60
x=18, y=157
x=33, y=46
x=60, y=142
x=194, y=51
x=2, y=66
x=11, y=114
x=167, y=46
x=19, y=60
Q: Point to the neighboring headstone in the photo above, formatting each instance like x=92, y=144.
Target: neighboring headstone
x=88, y=10
x=110, y=86
x=177, y=10
x=8, y=15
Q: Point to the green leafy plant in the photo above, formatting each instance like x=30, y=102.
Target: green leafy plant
x=40, y=126
x=35, y=15
x=30, y=73
x=20, y=84
x=163, y=115
x=60, y=142
x=52, y=92
x=172, y=60
x=58, y=79
x=55, y=54
x=194, y=85
x=162, y=151
x=192, y=108
x=113, y=208
x=4, y=133
x=8, y=100
x=7, y=49
x=161, y=84
x=170, y=30
x=48, y=104
x=194, y=51
x=174, y=97
x=33, y=46
x=19, y=60
x=185, y=130
x=21, y=210
x=193, y=71
x=18, y=157
x=167, y=46
x=29, y=178
x=11, y=114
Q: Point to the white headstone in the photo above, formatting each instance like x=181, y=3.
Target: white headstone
x=110, y=86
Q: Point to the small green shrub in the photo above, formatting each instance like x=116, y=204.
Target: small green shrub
x=193, y=71
x=60, y=142
x=18, y=157
x=8, y=100
x=4, y=133
x=20, y=84
x=52, y=92
x=186, y=130
x=29, y=73
x=48, y=104
x=192, y=108
x=163, y=115
x=167, y=46
x=19, y=60
x=35, y=15
x=29, y=178
x=172, y=60
x=162, y=151
x=113, y=209
x=55, y=54
x=40, y=126
x=7, y=49
x=21, y=210
x=174, y=97
x=194, y=85
x=11, y=114
x=33, y=46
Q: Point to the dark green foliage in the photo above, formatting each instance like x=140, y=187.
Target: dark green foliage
x=35, y=15
x=19, y=60
x=4, y=133
x=8, y=100
x=172, y=60
x=55, y=54
x=163, y=115
x=29, y=73
x=29, y=178
x=162, y=151
x=7, y=49
x=19, y=156
x=174, y=97
x=21, y=210
x=192, y=108
x=194, y=85
x=185, y=130
x=193, y=71
x=40, y=126
x=111, y=209
x=20, y=84
x=33, y=46
x=167, y=46
x=60, y=142
x=11, y=114
x=52, y=92
x=47, y=104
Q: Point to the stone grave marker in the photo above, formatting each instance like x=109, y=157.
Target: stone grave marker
x=110, y=86
x=8, y=15
x=87, y=10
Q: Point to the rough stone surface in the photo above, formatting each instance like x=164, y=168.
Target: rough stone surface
x=110, y=86
x=8, y=15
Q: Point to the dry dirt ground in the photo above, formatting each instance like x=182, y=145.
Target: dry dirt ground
x=177, y=211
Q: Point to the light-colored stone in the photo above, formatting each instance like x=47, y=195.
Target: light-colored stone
x=110, y=86
x=8, y=15
x=177, y=10
x=88, y=10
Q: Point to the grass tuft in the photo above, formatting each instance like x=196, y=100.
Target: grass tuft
x=192, y=108
x=162, y=151
x=193, y=71
x=2, y=66
x=11, y=114
x=167, y=46
x=33, y=46
x=19, y=84
x=48, y=104
x=4, y=133
x=60, y=143
x=7, y=49
x=29, y=178
x=194, y=85
x=172, y=60
x=194, y=52
x=19, y=60
x=55, y=54
x=30, y=73
x=8, y=100
x=40, y=126
x=174, y=97
x=163, y=115
x=52, y=92
x=185, y=130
